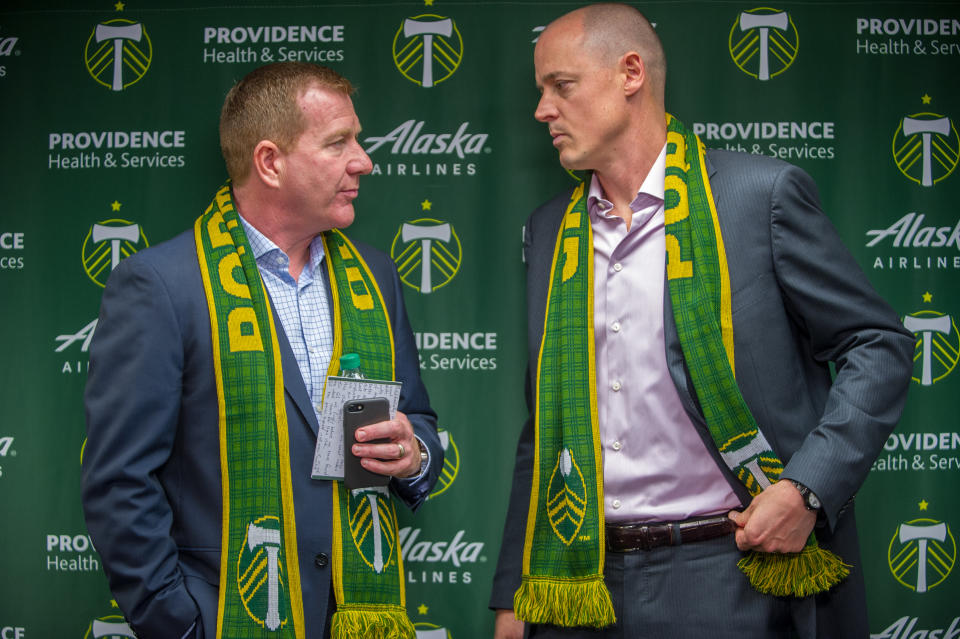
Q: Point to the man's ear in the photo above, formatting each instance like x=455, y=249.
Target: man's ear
x=268, y=163
x=634, y=72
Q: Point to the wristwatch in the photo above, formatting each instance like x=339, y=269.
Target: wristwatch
x=424, y=456
x=810, y=500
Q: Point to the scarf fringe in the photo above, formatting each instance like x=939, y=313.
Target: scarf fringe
x=564, y=602
x=362, y=622
x=809, y=572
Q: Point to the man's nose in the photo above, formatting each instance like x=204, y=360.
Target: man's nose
x=361, y=164
x=545, y=109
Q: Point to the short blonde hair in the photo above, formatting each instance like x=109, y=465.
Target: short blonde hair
x=263, y=106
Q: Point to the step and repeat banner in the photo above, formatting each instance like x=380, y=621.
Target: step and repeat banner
x=108, y=117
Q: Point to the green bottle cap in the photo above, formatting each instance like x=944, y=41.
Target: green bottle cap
x=349, y=361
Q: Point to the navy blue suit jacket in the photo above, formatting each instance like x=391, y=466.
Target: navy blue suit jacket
x=151, y=469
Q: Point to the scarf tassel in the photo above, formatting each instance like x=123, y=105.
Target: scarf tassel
x=564, y=602
x=362, y=622
x=809, y=572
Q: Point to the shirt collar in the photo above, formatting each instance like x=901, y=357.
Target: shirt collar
x=270, y=256
x=652, y=186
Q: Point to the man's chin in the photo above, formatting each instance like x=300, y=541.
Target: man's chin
x=342, y=217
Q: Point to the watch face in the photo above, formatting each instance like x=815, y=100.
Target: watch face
x=812, y=501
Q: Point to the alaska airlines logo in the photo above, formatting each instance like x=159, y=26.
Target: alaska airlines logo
x=427, y=252
x=938, y=344
x=8, y=47
x=922, y=553
x=372, y=526
x=926, y=147
x=258, y=572
x=763, y=42
x=408, y=138
x=566, y=497
x=451, y=463
x=427, y=49
x=107, y=243
x=118, y=53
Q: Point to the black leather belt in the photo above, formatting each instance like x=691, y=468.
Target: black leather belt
x=646, y=536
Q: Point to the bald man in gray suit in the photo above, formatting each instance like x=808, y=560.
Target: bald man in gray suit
x=799, y=303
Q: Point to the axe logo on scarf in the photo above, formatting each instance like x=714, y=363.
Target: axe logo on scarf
x=926, y=147
x=922, y=552
x=372, y=526
x=938, y=343
x=753, y=460
x=763, y=42
x=258, y=572
x=427, y=49
x=566, y=497
x=427, y=252
x=118, y=53
x=107, y=242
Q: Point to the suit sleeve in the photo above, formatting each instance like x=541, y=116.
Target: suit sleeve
x=132, y=402
x=846, y=322
x=414, y=401
x=509, y=572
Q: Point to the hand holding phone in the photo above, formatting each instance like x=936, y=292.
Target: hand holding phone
x=356, y=414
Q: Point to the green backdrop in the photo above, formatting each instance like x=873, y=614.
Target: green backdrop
x=108, y=117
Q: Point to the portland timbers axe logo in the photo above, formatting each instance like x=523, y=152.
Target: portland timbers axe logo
x=427, y=49
x=109, y=626
x=259, y=580
x=118, y=53
x=922, y=554
x=938, y=343
x=763, y=42
x=373, y=525
x=926, y=147
x=752, y=460
x=566, y=497
x=451, y=463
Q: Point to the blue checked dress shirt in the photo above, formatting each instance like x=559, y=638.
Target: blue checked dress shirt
x=304, y=312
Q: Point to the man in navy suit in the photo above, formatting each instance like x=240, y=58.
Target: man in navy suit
x=676, y=519
x=151, y=469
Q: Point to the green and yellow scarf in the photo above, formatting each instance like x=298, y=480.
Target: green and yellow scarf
x=260, y=594
x=563, y=554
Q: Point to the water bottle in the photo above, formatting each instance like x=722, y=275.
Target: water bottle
x=350, y=366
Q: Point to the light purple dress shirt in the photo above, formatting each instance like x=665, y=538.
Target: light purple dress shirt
x=655, y=465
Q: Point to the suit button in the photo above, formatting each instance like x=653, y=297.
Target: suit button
x=321, y=560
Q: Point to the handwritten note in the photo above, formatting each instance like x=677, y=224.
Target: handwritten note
x=328, y=455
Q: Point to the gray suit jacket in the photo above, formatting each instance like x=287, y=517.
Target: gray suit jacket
x=151, y=472
x=800, y=302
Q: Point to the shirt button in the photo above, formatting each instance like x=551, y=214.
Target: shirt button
x=321, y=560
x=615, y=327
x=616, y=504
x=615, y=386
x=618, y=267
x=617, y=445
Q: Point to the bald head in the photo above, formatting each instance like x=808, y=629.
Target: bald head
x=610, y=30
